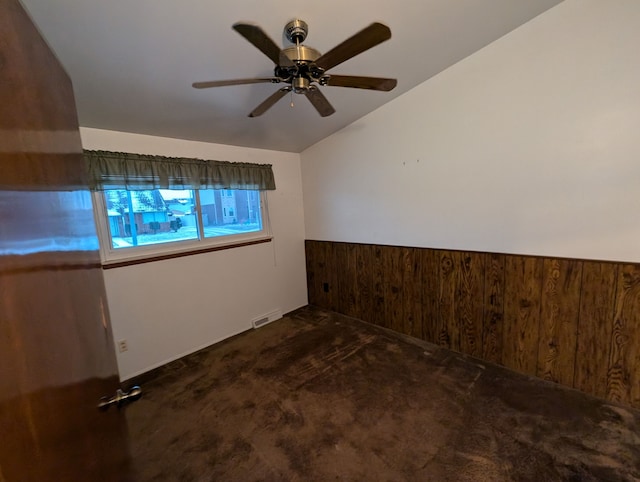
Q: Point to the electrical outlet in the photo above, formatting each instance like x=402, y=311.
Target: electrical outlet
x=122, y=346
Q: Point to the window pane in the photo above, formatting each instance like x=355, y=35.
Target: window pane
x=139, y=218
x=226, y=212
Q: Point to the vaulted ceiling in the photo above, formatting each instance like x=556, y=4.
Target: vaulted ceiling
x=132, y=62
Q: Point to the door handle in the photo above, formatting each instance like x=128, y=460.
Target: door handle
x=120, y=398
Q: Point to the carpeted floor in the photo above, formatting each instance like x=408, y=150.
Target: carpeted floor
x=317, y=396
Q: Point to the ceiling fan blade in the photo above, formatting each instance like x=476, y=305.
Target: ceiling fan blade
x=319, y=101
x=270, y=101
x=222, y=83
x=263, y=42
x=373, y=83
x=368, y=37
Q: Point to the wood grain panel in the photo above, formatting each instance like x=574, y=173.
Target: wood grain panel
x=364, y=282
x=341, y=282
x=560, y=308
x=320, y=266
x=430, y=269
x=523, y=277
x=469, y=301
x=313, y=283
x=324, y=274
x=460, y=301
x=597, y=301
x=335, y=273
x=448, y=329
x=493, y=308
x=623, y=379
x=413, y=292
x=377, y=285
x=345, y=259
x=393, y=266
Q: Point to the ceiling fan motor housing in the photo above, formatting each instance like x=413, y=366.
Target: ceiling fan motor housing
x=300, y=84
x=302, y=56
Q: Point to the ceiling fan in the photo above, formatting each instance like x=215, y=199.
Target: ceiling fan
x=304, y=68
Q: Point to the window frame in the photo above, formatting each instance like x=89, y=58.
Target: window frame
x=111, y=256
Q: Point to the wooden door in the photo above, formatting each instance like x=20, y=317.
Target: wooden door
x=56, y=348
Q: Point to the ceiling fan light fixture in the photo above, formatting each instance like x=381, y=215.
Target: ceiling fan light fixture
x=300, y=84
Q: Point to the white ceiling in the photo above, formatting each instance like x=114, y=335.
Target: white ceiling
x=132, y=62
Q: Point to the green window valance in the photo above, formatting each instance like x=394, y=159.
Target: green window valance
x=122, y=170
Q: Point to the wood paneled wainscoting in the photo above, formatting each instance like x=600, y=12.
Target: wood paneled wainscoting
x=570, y=321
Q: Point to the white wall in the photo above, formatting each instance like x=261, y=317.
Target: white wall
x=167, y=309
x=529, y=146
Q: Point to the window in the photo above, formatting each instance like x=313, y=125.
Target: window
x=149, y=206
x=148, y=223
